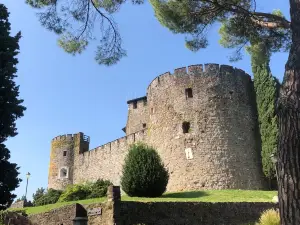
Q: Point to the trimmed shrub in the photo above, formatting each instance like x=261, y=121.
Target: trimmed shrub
x=269, y=217
x=144, y=174
x=50, y=197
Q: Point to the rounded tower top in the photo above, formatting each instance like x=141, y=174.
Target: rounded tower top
x=203, y=122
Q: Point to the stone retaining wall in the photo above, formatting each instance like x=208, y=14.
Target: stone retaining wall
x=189, y=213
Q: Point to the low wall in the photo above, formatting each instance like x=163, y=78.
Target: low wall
x=189, y=213
x=18, y=205
x=63, y=215
x=13, y=218
x=116, y=212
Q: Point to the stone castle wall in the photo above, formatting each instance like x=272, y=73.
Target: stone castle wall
x=219, y=150
x=222, y=140
x=137, y=117
x=105, y=161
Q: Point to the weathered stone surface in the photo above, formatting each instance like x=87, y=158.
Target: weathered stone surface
x=137, y=117
x=221, y=149
x=13, y=218
x=63, y=215
x=189, y=213
x=18, y=205
x=157, y=213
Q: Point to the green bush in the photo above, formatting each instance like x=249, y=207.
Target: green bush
x=99, y=188
x=144, y=174
x=50, y=197
x=74, y=192
x=38, y=194
x=88, y=190
x=269, y=217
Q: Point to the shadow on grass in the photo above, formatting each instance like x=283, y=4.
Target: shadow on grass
x=189, y=194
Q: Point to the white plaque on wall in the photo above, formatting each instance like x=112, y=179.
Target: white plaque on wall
x=189, y=153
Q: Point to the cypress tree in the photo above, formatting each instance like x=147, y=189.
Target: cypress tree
x=267, y=90
x=10, y=108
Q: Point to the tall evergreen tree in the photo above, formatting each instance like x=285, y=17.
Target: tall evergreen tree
x=10, y=108
x=267, y=91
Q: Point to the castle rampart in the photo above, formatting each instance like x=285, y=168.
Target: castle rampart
x=105, y=161
x=204, y=126
x=202, y=121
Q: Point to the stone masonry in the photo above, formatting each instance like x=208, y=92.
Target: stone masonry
x=202, y=121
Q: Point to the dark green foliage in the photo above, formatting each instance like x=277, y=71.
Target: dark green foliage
x=50, y=197
x=194, y=18
x=99, y=188
x=144, y=174
x=267, y=90
x=11, y=108
x=38, y=194
x=85, y=191
x=74, y=21
x=74, y=192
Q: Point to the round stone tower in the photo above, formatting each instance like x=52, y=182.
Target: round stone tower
x=64, y=149
x=204, y=125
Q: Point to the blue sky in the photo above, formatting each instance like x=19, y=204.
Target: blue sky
x=66, y=94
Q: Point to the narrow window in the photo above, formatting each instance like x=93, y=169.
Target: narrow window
x=188, y=93
x=134, y=105
x=144, y=125
x=63, y=173
x=145, y=102
x=65, y=153
x=185, y=127
x=152, y=110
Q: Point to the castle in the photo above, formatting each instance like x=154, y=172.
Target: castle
x=202, y=121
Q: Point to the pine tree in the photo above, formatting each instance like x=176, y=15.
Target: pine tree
x=10, y=108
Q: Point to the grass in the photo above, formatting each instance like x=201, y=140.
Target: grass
x=46, y=208
x=211, y=196
x=192, y=196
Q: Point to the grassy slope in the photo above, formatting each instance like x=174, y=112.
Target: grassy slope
x=211, y=196
x=196, y=196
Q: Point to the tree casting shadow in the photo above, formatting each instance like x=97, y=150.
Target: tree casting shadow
x=189, y=194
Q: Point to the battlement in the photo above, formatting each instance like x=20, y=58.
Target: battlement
x=209, y=69
x=70, y=137
x=129, y=139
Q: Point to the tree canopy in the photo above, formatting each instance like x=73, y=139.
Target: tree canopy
x=194, y=18
x=78, y=21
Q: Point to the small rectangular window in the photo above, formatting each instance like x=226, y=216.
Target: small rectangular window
x=189, y=93
x=134, y=105
x=144, y=125
x=185, y=127
x=65, y=153
x=145, y=102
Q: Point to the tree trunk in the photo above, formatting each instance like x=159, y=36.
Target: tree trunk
x=288, y=165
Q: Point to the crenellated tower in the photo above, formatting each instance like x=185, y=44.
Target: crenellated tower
x=203, y=122
x=64, y=149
